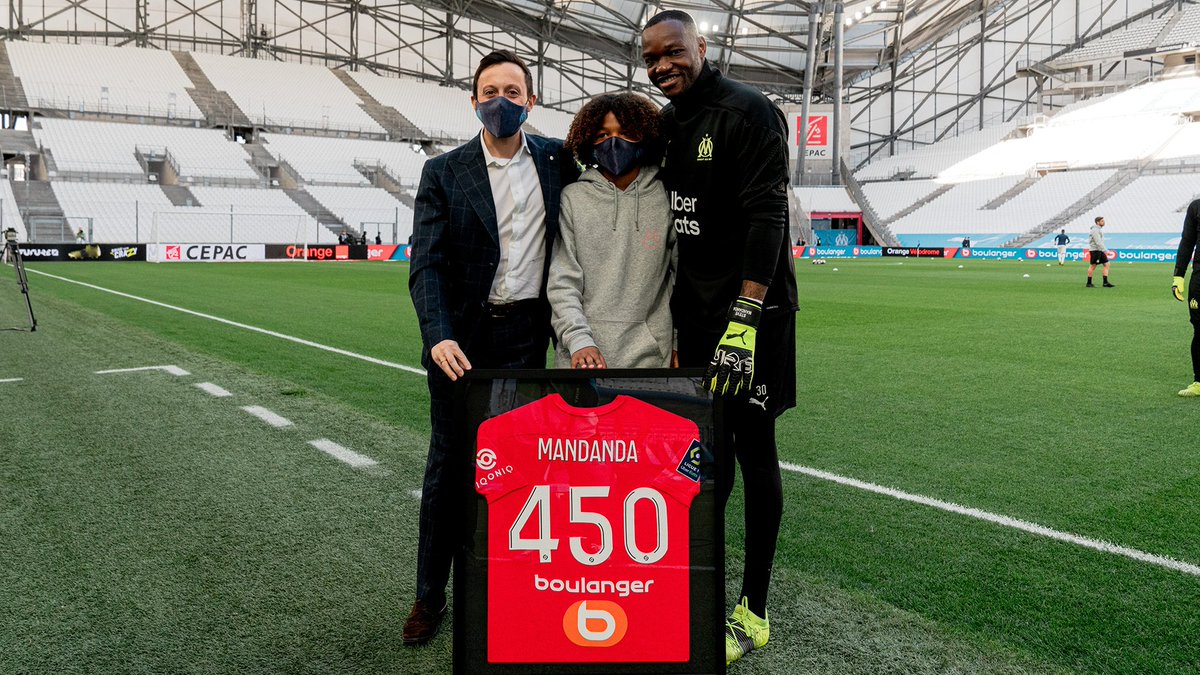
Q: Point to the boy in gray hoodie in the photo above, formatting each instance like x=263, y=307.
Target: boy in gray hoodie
x=611, y=270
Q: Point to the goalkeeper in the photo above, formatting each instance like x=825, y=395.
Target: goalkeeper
x=734, y=302
x=1186, y=254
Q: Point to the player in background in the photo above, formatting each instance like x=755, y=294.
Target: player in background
x=1061, y=240
x=734, y=301
x=1185, y=255
x=1097, y=252
x=610, y=276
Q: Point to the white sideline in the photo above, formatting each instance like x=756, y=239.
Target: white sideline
x=173, y=370
x=213, y=389
x=12, y=379
x=243, y=326
x=1023, y=525
x=342, y=454
x=267, y=416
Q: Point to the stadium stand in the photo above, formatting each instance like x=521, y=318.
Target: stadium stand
x=889, y=198
x=102, y=80
x=105, y=149
x=10, y=216
x=955, y=213
x=279, y=94
x=445, y=112
x=552, y=123
x=931, y=160
x=1186, y=31
x=441, y=112
x=826, y=199
x=1114, y=46
x=367, y=208
x=1147, y=213
x=1185, y=144
x=120, y=212
x=130, y=212
x=262, y=215
x=332, y=161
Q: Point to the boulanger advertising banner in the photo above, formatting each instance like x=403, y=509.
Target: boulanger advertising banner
x=83, y=252
x=596, y=541
x=982, y=253
x=207, y=252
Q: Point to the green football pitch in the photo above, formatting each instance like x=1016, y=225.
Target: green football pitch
x=987, y=472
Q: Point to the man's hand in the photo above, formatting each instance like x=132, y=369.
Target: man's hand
x=450, y=359
x=1177, y=288
x=732, y=365
x=588, y=357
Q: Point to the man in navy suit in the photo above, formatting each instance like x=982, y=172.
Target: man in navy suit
x=485, y=219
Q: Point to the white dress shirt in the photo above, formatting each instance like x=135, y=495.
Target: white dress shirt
x=521, y=218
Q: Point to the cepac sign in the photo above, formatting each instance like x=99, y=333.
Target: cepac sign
x=209, y=252
x=818, y=136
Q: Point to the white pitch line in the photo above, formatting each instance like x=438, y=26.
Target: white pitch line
x=173, y=370
x=213, y=389
x=243, y=326
x=267, y=416
x=1023, y=525
x=12, y=379
x=343, y=454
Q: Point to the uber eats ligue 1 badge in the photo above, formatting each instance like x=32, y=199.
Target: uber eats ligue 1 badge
x=689, y=466
x=704, y=152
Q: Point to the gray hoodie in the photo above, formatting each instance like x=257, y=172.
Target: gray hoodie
x=611, y=271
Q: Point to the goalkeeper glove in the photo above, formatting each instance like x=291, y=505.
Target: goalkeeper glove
x=732, y=365
x=1177, y=287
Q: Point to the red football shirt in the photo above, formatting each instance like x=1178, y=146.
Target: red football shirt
x=588, y=532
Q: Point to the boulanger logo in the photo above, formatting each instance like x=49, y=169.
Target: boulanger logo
x=1031, y=253
x=595, y=623
x=705, y=151
x=485, y=459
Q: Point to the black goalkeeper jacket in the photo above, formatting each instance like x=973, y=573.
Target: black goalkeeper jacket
x=1187, y=241
x=726, y=174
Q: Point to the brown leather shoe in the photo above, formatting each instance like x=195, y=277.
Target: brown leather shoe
x=423, y=623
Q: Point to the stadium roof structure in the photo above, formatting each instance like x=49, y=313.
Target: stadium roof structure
x=911, y=68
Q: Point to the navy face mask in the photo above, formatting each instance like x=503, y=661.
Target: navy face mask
x=617, y=155
x=500, y=116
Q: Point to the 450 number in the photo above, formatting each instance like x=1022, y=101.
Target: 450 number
x=539, y=503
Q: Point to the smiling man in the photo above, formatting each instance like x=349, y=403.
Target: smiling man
x=734, y=303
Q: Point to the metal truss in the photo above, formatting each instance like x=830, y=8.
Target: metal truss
x=915, y=71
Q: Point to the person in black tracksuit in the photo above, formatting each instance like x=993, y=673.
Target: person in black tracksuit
x=1185, y=255
x=726, y=174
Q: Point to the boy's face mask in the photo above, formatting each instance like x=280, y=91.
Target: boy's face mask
x=617, y=155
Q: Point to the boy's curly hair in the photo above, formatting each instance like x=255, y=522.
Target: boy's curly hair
x=638, y=117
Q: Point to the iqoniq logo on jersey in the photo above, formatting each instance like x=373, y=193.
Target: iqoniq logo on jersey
x=705, y=151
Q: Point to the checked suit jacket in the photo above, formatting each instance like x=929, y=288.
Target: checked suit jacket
x=456, y=241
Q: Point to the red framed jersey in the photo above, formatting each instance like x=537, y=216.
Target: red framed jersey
x=588, y=531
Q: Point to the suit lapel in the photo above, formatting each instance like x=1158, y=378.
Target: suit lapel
x=547, y=175
x=472, y=177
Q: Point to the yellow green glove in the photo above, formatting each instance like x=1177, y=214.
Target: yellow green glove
x=732, y=365
x=1177, y=288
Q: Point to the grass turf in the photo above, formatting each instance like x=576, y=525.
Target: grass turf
x=155, y=528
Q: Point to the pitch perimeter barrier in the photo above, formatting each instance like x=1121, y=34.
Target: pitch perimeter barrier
x=390, y=252
x=982, y=253
x=82, y=252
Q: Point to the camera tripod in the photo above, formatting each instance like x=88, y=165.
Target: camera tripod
x=11, y=252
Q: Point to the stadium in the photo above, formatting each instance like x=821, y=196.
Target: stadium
x=217, y=467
